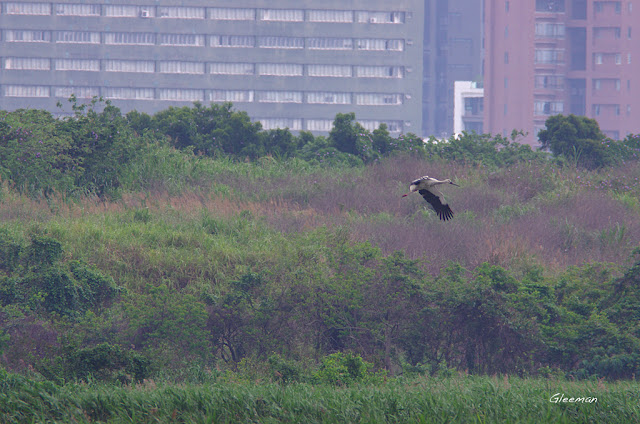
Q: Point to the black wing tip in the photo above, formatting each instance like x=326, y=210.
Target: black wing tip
x=445, y=214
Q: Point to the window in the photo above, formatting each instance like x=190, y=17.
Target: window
x=320, y=97
x=549, y=56
x=181, y=12
x=617, y=84
x=613, y=134
x=232, y=41
x=180, y=94
x=598, y=58
x=77, y=65
x=628, y=58
x=378, y=99
x=283, y=15
x=380, y=17
x=329, y=16
x=392, y=126
x=177, y=67
x=145, y=66
x=549, y=81
x=549, y=30
x=379, y=71
x=122, y=11
x=281, y=42
x=280, y=69
x=550, y=6
x=30, y=63
x=329, y=43
x=607, y=6
x=541, y=107
x=319, y=125
x=78, y=9
x=17, y=35
x=473, y=105
x=17, y=8
x=329, y=70
x=279, y=96
x=231, y=96
x=275, y=123
x=26, y=91
x=135, y=38
x=181, y=40
x=127, y=93
x=232, y=14
x=506, y=6
x=618, y=58
x=597, y=84
x=231, y=68
x=78, y=37
x=506, y=58
x=379, y=44
x=79, y=92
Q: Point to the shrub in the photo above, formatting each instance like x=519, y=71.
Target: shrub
x=343, y=369
x=107, y=362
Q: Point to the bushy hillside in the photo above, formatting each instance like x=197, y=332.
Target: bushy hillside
x=277, y=263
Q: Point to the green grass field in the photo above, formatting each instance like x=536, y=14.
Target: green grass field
x=456, y=399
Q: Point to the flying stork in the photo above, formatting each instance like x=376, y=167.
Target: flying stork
x=426, y=186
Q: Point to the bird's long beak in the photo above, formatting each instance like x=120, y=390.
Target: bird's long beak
x=455, y=184
x=405, y=195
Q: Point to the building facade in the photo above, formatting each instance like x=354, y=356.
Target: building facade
x=453, y=51
x=293, y=66
x=549, y=57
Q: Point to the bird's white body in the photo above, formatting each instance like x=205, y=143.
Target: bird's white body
x=426, y=187
x=427, y=182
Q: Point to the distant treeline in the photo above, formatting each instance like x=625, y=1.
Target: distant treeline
x=92, y=151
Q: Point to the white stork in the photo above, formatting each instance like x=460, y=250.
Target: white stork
x=426, y=187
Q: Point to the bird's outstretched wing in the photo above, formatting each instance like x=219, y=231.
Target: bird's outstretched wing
x=442, y=209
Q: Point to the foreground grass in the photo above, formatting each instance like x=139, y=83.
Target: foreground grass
x=427, y=400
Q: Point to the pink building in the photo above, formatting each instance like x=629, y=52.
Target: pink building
x=546, y=57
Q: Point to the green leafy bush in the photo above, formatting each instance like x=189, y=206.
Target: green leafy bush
x=344, y=368
x=107, y=362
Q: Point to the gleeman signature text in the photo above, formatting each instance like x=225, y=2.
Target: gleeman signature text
x=561, y=398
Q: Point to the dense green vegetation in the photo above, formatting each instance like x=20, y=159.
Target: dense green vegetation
x=219, y=399
x=192, y=246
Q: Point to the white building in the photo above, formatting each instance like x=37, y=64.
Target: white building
x=467, y=107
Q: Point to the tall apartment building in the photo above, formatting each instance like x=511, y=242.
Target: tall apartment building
x=548, y=57
x=290, y=63
x=453, y=51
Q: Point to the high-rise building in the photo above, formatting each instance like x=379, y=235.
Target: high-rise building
x=290, y=63
x=553, y=57
x=452, y=52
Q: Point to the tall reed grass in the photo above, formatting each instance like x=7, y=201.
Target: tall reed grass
x=459, y=399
